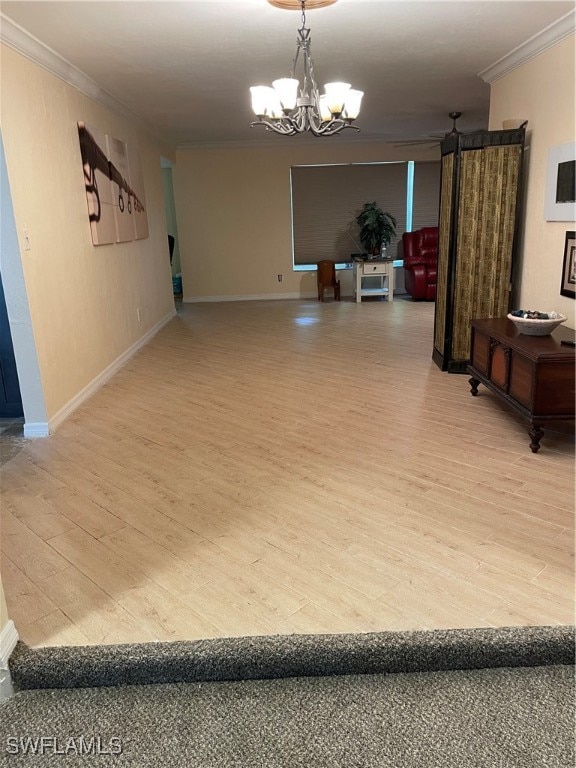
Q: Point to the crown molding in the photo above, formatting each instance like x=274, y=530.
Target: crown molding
x=546, y=38
x=20, y=40
x=282, y=143
x=278, y=143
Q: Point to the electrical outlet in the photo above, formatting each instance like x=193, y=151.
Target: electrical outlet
x=279, y=278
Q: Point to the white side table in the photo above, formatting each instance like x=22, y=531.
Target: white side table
x=381, y=268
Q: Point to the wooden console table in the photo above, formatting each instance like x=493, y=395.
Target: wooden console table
x=533, y=374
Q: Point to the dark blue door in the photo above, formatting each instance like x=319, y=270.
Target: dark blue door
x=10, y=399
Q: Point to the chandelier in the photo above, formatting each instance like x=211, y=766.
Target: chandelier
x=289, y=108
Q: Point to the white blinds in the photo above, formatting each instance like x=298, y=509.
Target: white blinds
x=426, y=198
x=327, y=198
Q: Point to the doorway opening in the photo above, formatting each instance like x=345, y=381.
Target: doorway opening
x=171, y=227
x=21, y=383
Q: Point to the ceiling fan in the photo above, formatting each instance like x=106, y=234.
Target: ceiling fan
x=435, y=138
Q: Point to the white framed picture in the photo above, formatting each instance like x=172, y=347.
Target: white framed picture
x=560, y=203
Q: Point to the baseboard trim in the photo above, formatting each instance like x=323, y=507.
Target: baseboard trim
x=251, y=297
x=36, y=429
x=264, y=297
x=8, y=640
x=106, y=374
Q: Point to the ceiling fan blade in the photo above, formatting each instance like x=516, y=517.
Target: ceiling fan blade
x=415, y=142
x=433, y=139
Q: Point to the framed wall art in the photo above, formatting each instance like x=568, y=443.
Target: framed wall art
x=114, y=187
x=97, y=182
x=560, y=202
x=568, y=287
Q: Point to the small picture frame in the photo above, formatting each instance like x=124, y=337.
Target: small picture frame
x=568, y=287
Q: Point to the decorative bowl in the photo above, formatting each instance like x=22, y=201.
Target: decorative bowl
x=530, y=327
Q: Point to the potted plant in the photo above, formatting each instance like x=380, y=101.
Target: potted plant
x=377, y=228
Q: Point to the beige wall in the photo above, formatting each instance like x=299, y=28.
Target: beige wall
x=541, y=91
x=233, y=209
x=83, y=300
x=3, y=609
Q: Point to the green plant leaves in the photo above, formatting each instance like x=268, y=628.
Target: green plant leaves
x=377, y=227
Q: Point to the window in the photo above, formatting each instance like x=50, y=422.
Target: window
x=426, y=195
x=327, y=198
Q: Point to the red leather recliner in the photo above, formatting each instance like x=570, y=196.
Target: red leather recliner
x=420, y=262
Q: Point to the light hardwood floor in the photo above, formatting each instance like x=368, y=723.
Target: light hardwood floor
x=279, y=467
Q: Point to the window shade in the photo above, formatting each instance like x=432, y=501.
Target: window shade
x=426, y=198
x=326, y=200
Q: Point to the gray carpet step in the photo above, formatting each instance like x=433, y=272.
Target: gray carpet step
x=495, y=698
x=285, y=656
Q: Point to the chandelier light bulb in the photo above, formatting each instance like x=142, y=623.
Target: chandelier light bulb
x=336, y=96
x=294, y=106
x=265, y=102
x=325, y=113
x=352, y=104
x=287, y=91
x=262, y=100
x=276, y=108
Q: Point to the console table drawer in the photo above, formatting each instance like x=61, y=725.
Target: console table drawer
x=379, y=268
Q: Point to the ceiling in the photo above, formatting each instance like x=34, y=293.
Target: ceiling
x=185, y=67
